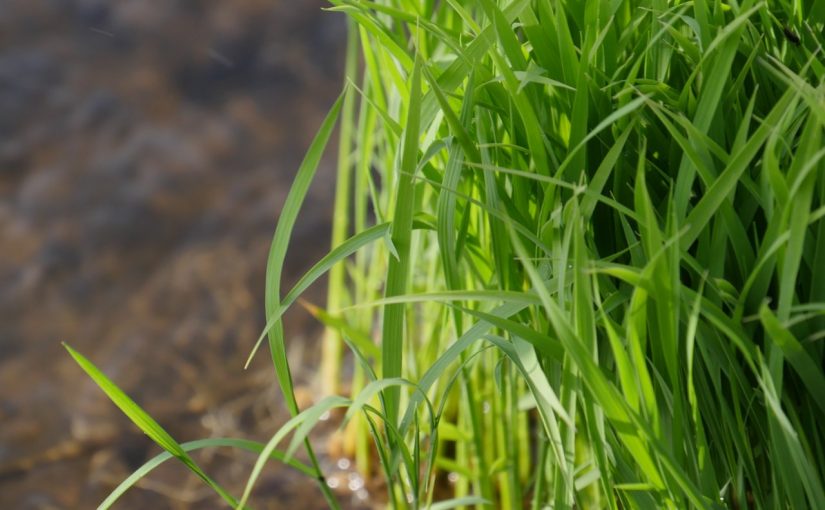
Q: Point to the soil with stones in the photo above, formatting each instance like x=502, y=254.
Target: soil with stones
x=146, y=148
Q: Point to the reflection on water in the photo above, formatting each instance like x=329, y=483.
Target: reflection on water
x=145, y=149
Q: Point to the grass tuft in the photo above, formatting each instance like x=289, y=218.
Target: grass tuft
x=578, y=256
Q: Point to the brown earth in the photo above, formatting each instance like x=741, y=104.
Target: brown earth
x=146, y=147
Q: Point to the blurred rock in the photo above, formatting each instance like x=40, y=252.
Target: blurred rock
x=145, y=150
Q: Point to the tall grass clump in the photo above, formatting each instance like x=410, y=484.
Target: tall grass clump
x=578, y=257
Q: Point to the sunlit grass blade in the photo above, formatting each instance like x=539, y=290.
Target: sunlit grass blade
x=310, y=415
x=274, y=269
x=200, y=444
x=338, y=254
x=145, y=422
x=578, y=250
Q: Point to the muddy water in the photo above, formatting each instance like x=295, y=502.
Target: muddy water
x=145, y=149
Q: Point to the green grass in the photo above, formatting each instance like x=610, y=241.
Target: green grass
x=578, y=256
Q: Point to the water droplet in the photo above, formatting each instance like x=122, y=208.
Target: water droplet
x=355, y=482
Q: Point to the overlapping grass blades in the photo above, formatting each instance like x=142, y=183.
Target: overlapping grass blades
x=579, y=254
x=643, y=181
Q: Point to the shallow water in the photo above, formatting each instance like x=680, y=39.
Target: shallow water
x=145, y=149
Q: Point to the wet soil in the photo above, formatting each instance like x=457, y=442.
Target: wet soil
x=146, y=148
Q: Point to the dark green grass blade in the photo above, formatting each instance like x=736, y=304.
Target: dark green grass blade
x=812, y=375
x=392, y=336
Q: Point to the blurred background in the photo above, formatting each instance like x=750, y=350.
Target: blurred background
x=146, y=147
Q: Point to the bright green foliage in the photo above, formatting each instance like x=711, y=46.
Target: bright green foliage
x=616, y=297
x=579, y=254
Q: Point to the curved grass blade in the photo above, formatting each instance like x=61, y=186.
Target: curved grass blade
x=275, y=263
x=311, y=415
x=145, y=422
x=339, y=253
x=217, y=442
